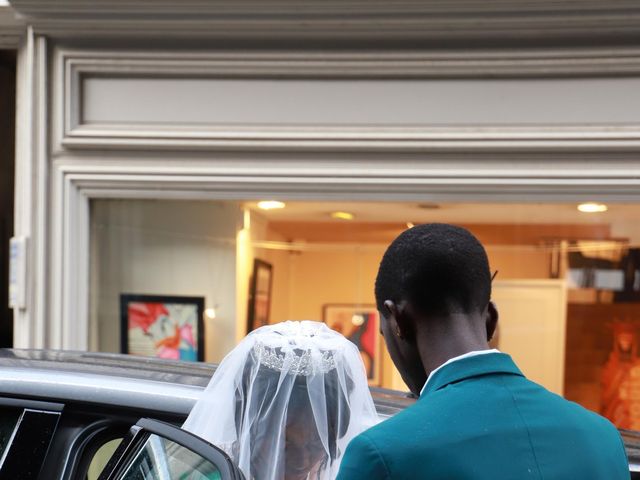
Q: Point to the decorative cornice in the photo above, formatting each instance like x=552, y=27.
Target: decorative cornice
x=118, y=180
x=12, y=28
x=354, y=64
x=75, y=65
x=540, y=21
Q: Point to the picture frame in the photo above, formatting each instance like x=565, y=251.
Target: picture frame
x=162, y=326
x=259, y=295
x=361, y=325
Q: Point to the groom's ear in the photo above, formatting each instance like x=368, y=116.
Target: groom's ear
x=491, y=320
x=398, y=316
x=390, y=314
x=389, y=310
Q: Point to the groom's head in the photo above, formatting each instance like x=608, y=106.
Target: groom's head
x=433, y=286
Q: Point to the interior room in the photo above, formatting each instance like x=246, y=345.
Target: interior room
x=567, y=281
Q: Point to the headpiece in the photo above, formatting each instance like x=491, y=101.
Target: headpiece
x=286, y=402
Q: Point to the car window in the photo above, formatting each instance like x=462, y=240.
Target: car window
x=101, y=458
x=162, y=459
x=156, y=450
x=8, y=421
x=29, y=439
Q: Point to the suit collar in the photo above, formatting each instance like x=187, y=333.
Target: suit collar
x=471, y=367
x=455, y=359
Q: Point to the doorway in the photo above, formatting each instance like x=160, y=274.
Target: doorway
x=7, y=168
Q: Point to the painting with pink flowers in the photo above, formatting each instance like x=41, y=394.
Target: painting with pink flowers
x=169, y=327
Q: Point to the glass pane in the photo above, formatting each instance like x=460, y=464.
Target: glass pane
x=101, y=458
x=567, y=288
x=162, y=459
x=8, y=420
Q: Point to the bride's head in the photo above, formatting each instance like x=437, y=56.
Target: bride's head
x=297, y=394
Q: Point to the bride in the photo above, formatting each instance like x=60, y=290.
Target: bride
x=286, y=401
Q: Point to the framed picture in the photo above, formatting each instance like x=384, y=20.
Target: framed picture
x=361, y=325
x=259, y=295
x=162, y=326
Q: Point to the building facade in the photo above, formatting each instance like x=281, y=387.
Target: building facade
x=414, y=101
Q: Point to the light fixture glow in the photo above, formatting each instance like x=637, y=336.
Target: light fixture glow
x=342, y=215
x=410, y=225
x=270, y=205
x=357, y=319
x=591, y=207
x=210, y=313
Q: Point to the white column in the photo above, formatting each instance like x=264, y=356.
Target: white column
x=30, y=328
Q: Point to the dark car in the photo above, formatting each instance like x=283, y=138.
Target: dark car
x=78, y=415
x=73, y=415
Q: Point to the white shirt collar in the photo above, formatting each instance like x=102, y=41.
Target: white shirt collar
x=455, y=359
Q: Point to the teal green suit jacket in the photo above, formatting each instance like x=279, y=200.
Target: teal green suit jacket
x=480, y=418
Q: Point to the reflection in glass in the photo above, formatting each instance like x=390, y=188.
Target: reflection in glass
x=162, y=459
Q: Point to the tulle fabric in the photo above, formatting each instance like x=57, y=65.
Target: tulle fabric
x=286, y=401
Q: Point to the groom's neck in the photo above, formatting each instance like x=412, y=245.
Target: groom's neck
x=442, y=339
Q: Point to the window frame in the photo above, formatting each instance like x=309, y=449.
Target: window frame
x=35, y=428
x=86, y=442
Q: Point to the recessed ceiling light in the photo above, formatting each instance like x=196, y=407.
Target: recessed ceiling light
x=591, y=207
x=342, y=215
x=270, y=205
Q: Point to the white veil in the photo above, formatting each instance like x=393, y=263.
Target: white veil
x=286, y=401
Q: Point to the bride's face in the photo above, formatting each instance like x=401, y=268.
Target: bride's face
x=304, y=452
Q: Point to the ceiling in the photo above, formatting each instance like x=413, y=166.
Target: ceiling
x=465, y=213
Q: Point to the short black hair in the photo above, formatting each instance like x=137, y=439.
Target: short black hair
x=439, y=268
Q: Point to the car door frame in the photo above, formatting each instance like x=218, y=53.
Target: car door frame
x=140, y=432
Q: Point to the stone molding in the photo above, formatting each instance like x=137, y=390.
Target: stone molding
x=450, y=21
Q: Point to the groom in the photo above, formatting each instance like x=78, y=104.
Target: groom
x=477, y=417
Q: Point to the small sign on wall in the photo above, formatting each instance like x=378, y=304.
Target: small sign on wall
x=18, y=272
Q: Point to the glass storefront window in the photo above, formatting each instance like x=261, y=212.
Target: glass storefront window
x=204, y=272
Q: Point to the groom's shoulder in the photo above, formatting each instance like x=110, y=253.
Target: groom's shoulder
x=402, y=424
x=372, y=453
x=390, y=444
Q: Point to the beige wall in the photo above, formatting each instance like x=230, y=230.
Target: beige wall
x=165, y=248
x=283, y=277
x=307, y=279
x=253, y=231
x=304, y=281
x=519, y=262
x=532, y=327
x=319, y=278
